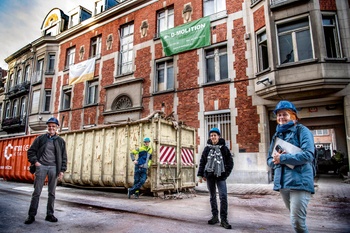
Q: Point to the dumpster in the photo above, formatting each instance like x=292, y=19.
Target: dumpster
x=100, y=157
x=14, y=165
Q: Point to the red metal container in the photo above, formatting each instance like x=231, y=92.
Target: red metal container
x=14, y=163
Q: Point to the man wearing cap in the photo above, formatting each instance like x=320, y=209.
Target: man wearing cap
x=48, y=153
x=141, y=165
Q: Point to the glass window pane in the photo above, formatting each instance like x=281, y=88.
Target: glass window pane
x=304, y=45
x=286, y=49
x=170, y=78
x=210, y=70
x=223, y=67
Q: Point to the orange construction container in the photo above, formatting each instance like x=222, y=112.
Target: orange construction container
x=14, y=163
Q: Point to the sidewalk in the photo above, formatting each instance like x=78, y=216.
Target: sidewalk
x=243, y=189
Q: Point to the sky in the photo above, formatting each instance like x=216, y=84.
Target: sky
x=21, y=20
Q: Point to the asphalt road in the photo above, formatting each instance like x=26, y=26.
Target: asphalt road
x=81, y=210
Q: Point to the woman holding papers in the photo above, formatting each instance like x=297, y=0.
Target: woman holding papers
x=292, y=160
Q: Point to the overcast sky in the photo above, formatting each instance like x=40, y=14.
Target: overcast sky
x=21, y=20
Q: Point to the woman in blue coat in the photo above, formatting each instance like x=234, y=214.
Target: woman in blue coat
x=295, y=182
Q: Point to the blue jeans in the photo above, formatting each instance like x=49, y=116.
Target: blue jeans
x=40, y=175
x=222, y=188
x=140, y=177
x=296, y=201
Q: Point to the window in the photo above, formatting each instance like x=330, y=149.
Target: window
x=165, y=19
x=15, y=108
x=213, y=6
x=331, y=36
x=51, y=65
x=216, y=64
x=92, y=90
x=294, y=41
x=1, y=113
x=23, y=107
x=74, y=19
x=98, y=7
x=19, y=77
x=126, y=49
x=66, y=98
x=221, y=121
x=47, y=101
x=320, y=132
x=7, y=110
x=11, y=81
x=165, y=76
x=35, y=102
x=70, y=57
x=95, y=48
x=121, y=103
x=263, y=57
x=39, y=71
x=27, y=74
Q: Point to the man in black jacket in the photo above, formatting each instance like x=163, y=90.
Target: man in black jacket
x=48, y=153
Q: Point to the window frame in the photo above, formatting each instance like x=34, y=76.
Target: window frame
x=169, y=17
x=66, y=92
x=95, y=46
x=23, y=107
x=51, y=60
x=339, y=52
x=262, y=55
x=35, y=102
x=70, y=57
x=47, y=101
x=168, y=64
x=91, y=86
x=213, y=7
x=217, y=62
x=294, y=33
x=126, y=57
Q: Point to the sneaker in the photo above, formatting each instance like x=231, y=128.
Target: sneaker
x=51, y=218
x=29, y=220
x=137, y=194
x=213, y=220
x=225, y=224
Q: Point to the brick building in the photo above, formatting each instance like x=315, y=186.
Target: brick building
x=260, y=52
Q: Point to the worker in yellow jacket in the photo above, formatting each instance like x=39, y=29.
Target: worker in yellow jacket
x=142, y=163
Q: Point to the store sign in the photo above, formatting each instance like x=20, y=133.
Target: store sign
x=186, y=37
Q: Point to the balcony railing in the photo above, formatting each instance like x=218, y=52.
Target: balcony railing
x=15, y=121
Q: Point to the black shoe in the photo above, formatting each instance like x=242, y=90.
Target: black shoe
x=29, y=220
x=51, y=218
x=225, y=224
x=213, y=220
x=137, y=195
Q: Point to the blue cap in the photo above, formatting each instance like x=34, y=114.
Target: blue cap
x=53, y=120
x=146, y=140
x=215, y=130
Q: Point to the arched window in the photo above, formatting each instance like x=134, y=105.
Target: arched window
x=14, y=108
x=122, y=102
x=23, y=107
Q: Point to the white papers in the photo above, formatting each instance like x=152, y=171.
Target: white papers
x=287, y=147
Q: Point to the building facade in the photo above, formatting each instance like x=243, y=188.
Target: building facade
x=260, y=52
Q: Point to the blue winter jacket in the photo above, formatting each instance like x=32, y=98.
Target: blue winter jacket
x=301, y=177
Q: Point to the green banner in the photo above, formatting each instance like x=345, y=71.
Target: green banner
x=186, y=37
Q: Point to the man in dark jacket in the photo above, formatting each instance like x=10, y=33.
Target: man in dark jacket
x=215, y=166
x=48, y=153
